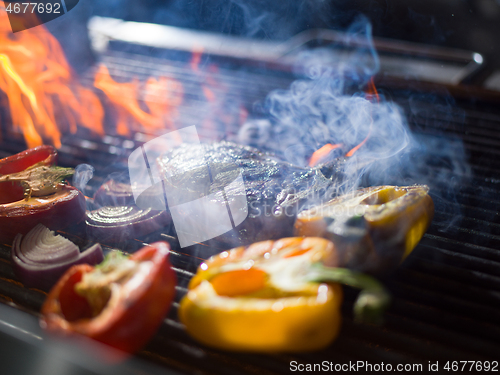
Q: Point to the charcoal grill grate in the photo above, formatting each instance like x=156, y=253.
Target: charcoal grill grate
x=446, y=294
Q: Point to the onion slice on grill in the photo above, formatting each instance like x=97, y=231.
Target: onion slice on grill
x=114, y=193
x=41, y=257
x=115, y=224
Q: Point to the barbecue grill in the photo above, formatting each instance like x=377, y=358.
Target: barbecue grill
x=445, y=295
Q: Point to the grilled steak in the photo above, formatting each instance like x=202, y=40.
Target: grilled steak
x=274, y=190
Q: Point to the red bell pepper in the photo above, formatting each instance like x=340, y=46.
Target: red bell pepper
x=32, y=192
x=41, y=155
x=19, y=213
x=120, y=302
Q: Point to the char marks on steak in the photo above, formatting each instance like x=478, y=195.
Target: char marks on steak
x=275, y=190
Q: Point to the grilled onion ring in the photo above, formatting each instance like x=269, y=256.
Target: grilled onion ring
x=116, y=224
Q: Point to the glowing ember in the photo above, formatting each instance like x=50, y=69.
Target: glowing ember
x=36, y=78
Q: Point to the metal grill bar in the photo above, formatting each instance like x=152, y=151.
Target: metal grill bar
x=446, y=294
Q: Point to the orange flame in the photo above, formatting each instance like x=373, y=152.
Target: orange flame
x=372, y=93
x=45, y=100
x=323, y=152
x=162, y=96
x=36, y=78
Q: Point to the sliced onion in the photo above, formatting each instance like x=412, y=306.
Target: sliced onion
x=114, y=193
x=116, y=224
x=41, y=257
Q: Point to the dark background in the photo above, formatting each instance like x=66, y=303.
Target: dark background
x=467, y=24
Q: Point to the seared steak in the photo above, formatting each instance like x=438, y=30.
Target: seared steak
x=275, y=190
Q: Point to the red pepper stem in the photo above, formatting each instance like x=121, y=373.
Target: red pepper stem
x=371, y=302
x=40, y=181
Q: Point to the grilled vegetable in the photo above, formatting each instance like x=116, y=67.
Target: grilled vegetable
x=38, y=156
x=20, y=212
x=373, y=229
x=114, y=193
x=116, y=224
x=120, y=302
x=41, y=257
x=40, y=181
x=272, y=297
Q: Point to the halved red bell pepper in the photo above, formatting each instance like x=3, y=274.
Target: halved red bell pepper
x=41, y=155
x=120, y=302
x=20, y=213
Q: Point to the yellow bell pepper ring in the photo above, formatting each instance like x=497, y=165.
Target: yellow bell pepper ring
x=373, y=229
x=270, y=297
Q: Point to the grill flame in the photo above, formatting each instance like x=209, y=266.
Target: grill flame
x=37, y=80
x=322, y=153
x=162, y=96
x=46, y=99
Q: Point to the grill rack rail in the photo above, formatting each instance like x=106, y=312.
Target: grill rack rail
x=446, y=295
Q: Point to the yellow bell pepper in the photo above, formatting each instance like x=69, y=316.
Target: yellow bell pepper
x=269, y=297
x=373, y=229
